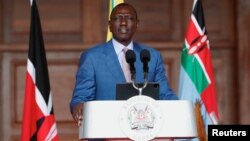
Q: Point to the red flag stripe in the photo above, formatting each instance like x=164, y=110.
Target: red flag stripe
x=193, y=30
x=28, y=120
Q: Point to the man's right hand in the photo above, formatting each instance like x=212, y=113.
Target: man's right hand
x=77, y=113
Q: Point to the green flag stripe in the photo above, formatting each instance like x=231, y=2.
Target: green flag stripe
x=113, y=4
x=194, y=70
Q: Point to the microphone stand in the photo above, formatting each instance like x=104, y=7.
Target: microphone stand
x=145, y=58
x=144, y=84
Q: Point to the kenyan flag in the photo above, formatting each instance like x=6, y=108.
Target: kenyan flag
x=196, y=75
x=38, y=122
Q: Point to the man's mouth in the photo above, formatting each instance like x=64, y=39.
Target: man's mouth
x=123, y=30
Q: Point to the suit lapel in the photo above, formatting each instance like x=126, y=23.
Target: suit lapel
x=113, y=62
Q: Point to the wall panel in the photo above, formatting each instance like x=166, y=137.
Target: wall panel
x=61, y=72
x=159, y=21
x=243, y=60
x=61, y=20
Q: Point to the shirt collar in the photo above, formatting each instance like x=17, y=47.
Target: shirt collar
x=119, y=47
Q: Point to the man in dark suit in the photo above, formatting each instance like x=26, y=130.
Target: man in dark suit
x=100, y=67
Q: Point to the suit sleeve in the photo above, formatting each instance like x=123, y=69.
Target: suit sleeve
x=84, y=89
x=166, y=92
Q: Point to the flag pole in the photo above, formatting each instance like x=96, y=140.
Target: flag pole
x=200, y=122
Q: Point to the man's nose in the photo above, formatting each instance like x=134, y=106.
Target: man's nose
x=124, y=21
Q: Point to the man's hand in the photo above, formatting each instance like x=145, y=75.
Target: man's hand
x=77, y=113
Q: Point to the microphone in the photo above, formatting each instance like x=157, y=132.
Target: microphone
x=130, y=58
x=145, y=58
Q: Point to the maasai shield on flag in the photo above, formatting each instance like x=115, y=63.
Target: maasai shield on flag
x=38, y=122
x=196, y=75
x=112, y=4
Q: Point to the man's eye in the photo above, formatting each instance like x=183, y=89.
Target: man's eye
x=119, y=18
x=131, y=18
x=116, y=18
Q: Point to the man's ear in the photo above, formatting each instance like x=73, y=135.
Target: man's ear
x=109, y=23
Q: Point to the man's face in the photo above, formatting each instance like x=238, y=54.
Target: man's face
x=123, y=24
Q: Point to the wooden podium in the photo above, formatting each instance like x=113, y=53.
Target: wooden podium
x=101, y=120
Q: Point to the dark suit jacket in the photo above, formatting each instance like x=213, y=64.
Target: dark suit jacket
x=100, y=70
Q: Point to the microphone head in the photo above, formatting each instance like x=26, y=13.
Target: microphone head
x=145, y=56
x=130, y=56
